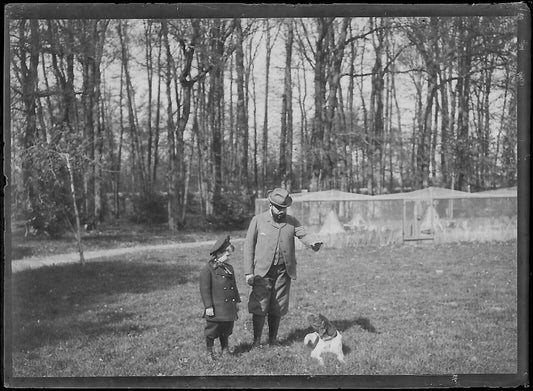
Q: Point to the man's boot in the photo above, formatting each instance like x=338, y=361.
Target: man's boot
x=258, y=322
x=273, y=326
x=224, y=345
x=210, y=342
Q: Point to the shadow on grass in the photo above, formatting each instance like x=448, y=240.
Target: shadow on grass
x=298, y=335
x=364, y=323
x=341, y=325
x=245, y=347
x=241, y=348
x=54, y=303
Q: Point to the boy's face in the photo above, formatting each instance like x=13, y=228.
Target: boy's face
x=224, y=256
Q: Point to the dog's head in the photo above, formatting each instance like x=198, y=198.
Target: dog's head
x=317, y=321
x=321, y=325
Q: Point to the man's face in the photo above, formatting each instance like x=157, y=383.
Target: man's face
x=278, y=212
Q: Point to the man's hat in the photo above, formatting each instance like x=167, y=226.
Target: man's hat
x=220, y=245
x=280, y=197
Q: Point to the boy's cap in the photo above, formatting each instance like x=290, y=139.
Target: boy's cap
x=220, y=245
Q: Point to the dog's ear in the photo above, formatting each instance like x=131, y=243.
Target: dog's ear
x=322, y=328
x=314, y=321
x=311, y=339
x=326, y=327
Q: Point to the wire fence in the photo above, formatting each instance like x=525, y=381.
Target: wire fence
x=438, y=215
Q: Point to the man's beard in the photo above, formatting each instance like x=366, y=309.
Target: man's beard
x=280, y=217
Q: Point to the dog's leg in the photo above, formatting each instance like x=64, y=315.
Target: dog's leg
x=339, y=352
x=317, y=355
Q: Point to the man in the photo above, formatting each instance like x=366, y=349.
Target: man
x=270, y=263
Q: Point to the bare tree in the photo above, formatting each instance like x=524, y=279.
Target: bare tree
x=139, y=167
x=25, y=62
x=286, y=139
x=148, y=46
x=242, y=116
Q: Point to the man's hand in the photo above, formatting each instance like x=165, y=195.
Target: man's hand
x=209, y=311
x=249, y=279
x=316, y=246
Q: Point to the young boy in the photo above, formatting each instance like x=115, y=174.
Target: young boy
x=220, y=296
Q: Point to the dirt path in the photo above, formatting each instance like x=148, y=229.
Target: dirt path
x=36, y=262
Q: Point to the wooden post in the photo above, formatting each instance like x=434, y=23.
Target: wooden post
x=73, y=193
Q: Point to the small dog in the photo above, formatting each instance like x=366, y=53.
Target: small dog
x=325, y=339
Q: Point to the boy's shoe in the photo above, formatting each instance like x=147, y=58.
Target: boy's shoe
x=226, y=353
x=210, y=356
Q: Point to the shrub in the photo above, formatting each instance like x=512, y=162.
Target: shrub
x=149, y=208
x=45, y=192
x=232, y=210
x=50, y=208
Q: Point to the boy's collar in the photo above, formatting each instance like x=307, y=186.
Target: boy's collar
x=216, y=264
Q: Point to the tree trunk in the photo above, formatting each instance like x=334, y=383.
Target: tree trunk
x=187, y=82
x=444, y=132
x=137, y=154
x=88, y=98
x=485, y=171
x=200, y=124
x=172, y=169
x=99, y=34
x=120, y=144
x=264, y=162
x=351, y=123
x=510, y=143
x=187, y=180
x=149, y=77
x=389, y=116
x=75, y=207
x=376, y=112
x=242, y=117
x=229, y=152
x=255, y=145
x=216, y=86
x=92, y=39
x=318, y=147
x=366, y=166
x=157, y=113
x=399, y=145
x=28, y=79
x=285, y=158
x=502, y=118
x=463, y=87
x=434, y=135
x=336, y=55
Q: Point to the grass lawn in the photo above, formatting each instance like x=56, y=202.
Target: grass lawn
x=414, y=309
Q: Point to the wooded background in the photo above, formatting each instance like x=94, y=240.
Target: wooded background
x=192, y=119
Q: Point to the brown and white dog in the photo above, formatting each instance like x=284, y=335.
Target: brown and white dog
x=325, y=338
